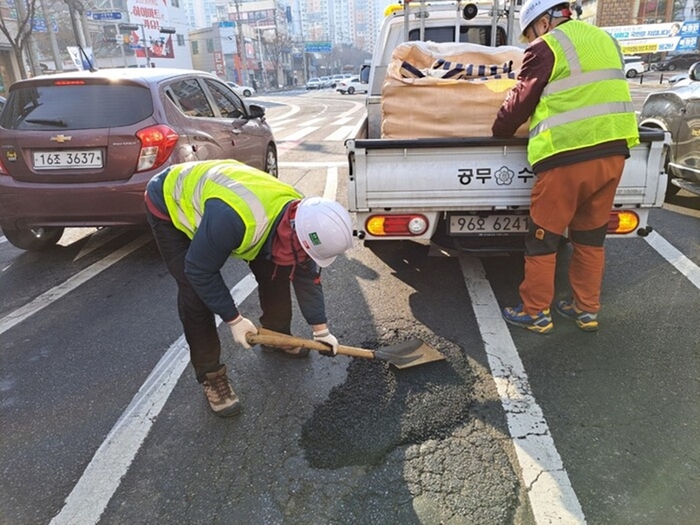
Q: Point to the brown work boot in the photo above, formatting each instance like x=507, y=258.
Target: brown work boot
x=223, y=401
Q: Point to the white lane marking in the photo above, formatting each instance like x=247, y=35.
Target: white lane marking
x=55, y=293
x=90, y=496
x=102, y=477
x=357, y=128
x=294, y=109
x=675, y=257
x=341, y=133
x=300, y=134
x=341, y=121
x=311, y=165
x=2, y=239
x=355, y=107
x=331, y=188
x=552, y=497
x=98, y=239
x=281, y=123
x=314, y=121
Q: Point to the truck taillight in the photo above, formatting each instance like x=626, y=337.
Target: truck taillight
x=396, y=225
x=157, y=143
x=622, y=222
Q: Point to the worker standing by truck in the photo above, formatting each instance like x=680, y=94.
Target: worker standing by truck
x=202, y=213
x=582, y=124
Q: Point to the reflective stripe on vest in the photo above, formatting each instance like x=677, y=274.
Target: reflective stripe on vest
x=587, y=100
x=256, y=196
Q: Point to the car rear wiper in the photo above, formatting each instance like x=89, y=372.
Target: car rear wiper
x=48, y=122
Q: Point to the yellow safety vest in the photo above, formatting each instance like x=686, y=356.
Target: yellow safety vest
x=587, y=100
x=257, y=197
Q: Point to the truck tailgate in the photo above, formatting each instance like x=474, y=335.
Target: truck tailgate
x=476, y=173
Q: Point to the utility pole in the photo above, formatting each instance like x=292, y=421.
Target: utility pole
x=20, y=5
x=52, y=37
x=241, y=44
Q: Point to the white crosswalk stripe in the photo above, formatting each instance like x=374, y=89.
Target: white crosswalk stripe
x=340, y=134
x=299, y=134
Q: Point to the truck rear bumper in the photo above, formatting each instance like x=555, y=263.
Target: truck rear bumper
x=439, y=233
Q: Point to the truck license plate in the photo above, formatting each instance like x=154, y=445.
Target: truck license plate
x=86, y=158
x=487, y=224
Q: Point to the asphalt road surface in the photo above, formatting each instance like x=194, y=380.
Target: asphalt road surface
x=103, y=422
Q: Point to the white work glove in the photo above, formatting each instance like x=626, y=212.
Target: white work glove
x=326, y=337
x=241, y=326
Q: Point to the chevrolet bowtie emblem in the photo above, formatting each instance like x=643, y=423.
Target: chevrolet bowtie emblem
x=61, y=138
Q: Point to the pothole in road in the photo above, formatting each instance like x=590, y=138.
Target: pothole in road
x=379, y=408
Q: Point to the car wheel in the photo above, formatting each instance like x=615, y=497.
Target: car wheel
x=351, y=90
x=33, y=239
x=247, y=93
x=671, y=67
x=271, y=161
x=631, y=73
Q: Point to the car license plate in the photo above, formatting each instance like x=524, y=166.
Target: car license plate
x=488, y=224
x=85, y=158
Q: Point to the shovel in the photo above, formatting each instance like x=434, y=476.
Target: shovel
x=403, y=355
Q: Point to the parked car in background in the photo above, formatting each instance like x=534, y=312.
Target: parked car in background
x=675, y=62
x=351, y=86
x=337, y=78
x=326, y=82
x=78, y=148
x=314, y=83
x=634, y=66
x=675, y=110
x=241, y=91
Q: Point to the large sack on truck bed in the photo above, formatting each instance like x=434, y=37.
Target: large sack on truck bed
x=447, y=89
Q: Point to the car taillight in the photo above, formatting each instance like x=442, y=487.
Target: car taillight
x=397, y=225
x=3, y=170
x=622, y=222
x=157, y=143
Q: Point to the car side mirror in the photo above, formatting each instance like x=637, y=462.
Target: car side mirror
x=364, y=73
x=694, y=72
x=256, y=111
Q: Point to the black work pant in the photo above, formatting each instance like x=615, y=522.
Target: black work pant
x=198, y=322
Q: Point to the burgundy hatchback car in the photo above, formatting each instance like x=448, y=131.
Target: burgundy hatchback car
x=77, y=149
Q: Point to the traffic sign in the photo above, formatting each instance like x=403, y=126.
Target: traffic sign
x=318, y=47
x=98, y=16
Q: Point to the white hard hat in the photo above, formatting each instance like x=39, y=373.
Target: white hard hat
x=324, y=229
x=531, y=10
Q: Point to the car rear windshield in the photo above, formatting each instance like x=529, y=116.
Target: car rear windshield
x=76, y=107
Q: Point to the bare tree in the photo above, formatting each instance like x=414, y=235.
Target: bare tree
x=276, y=48
x=18, y=28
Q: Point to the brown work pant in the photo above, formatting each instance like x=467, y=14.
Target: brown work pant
x=579, y=197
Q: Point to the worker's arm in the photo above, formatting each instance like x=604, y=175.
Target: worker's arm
x=309, y=292
x=220, y=231
x=521, y=101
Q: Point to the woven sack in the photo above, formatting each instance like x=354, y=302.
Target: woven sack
x=447, y=89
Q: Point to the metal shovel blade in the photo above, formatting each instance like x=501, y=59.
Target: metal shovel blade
x=409, y=353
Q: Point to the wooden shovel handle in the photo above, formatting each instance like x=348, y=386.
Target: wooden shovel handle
x=277, y=340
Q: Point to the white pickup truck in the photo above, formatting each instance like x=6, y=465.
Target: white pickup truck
x=469, y=194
